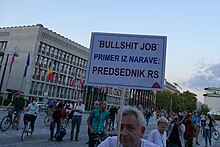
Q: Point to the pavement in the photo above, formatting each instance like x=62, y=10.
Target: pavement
x=42, y=134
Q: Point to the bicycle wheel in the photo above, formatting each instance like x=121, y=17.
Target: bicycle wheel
x=14, y=123
x=47, y=120
x=215, y=134
x=5, y=123
x=23, y=132
x=29, y=129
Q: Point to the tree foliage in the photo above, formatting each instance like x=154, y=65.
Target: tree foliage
x=176, y=102
x=204, y=109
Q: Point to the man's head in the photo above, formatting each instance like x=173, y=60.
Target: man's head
x=80, y=101
x=103, y=105
x=195, y=113
x=34, y=100
x=132, y=126
x=17, y=94
x=162, y=123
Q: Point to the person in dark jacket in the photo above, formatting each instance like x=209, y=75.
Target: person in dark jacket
x=112, y=112
x=56, y=119
x=189, y=130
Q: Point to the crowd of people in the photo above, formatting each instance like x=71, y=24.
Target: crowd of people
x=172, y=129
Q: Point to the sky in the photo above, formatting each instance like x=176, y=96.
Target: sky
x=192, y=29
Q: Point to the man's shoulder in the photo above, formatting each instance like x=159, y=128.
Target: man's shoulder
x=109, y=142
x=154, y=131
x=147, y=143
x=21, y=98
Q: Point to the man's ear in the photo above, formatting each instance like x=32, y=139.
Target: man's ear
x=142, y=130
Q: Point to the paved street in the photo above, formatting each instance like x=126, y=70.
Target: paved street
x=11, y=138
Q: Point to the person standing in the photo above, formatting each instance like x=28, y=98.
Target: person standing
x=19, y=104
x=96, y=106
x=158, y=136
x=78, y=109
x=112, y=112
x=68, y=106
x=175, y=138
x=98, y=122
x=147, y=115
x=133, y=125
x=196, y=120
x=207, y=129
x=188, y=134
x=56, y=119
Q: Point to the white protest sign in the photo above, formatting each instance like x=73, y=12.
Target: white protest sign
x=127, y=61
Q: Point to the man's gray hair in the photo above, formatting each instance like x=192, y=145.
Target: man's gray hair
x=162, y=119
x=138, y=114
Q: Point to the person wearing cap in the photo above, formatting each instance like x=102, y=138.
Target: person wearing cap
x=19, y=104
x=78, y=109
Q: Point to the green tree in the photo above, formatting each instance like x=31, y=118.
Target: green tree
x=176, y=102
x=204, y=109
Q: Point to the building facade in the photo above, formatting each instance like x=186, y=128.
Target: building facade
x=212, y=98
x=47, y=49
x=65, y=59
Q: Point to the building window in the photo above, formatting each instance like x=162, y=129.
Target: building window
x=67, y=57
x=60, y=55
x=56, y=53
x=45, y=62
x=74, y=60
x=43, y=48
x=39, y=47
x=77, y=61
x=64, y=56
x=70, y=59
x=48, y=50
x=52, y=51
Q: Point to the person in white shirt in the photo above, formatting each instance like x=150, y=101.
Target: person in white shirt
x=78, y=109
x=158, y=136
x=68, y=106
x=31, y=113
x=132, y=130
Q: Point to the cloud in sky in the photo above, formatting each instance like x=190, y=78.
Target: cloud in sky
x=208, y=75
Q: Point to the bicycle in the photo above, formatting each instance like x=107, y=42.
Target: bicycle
x=47, y=121
x=214, y=132
x=9, y=120
x=27, y=128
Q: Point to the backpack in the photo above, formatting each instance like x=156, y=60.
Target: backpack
x=63, y=112
x=60, y=134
